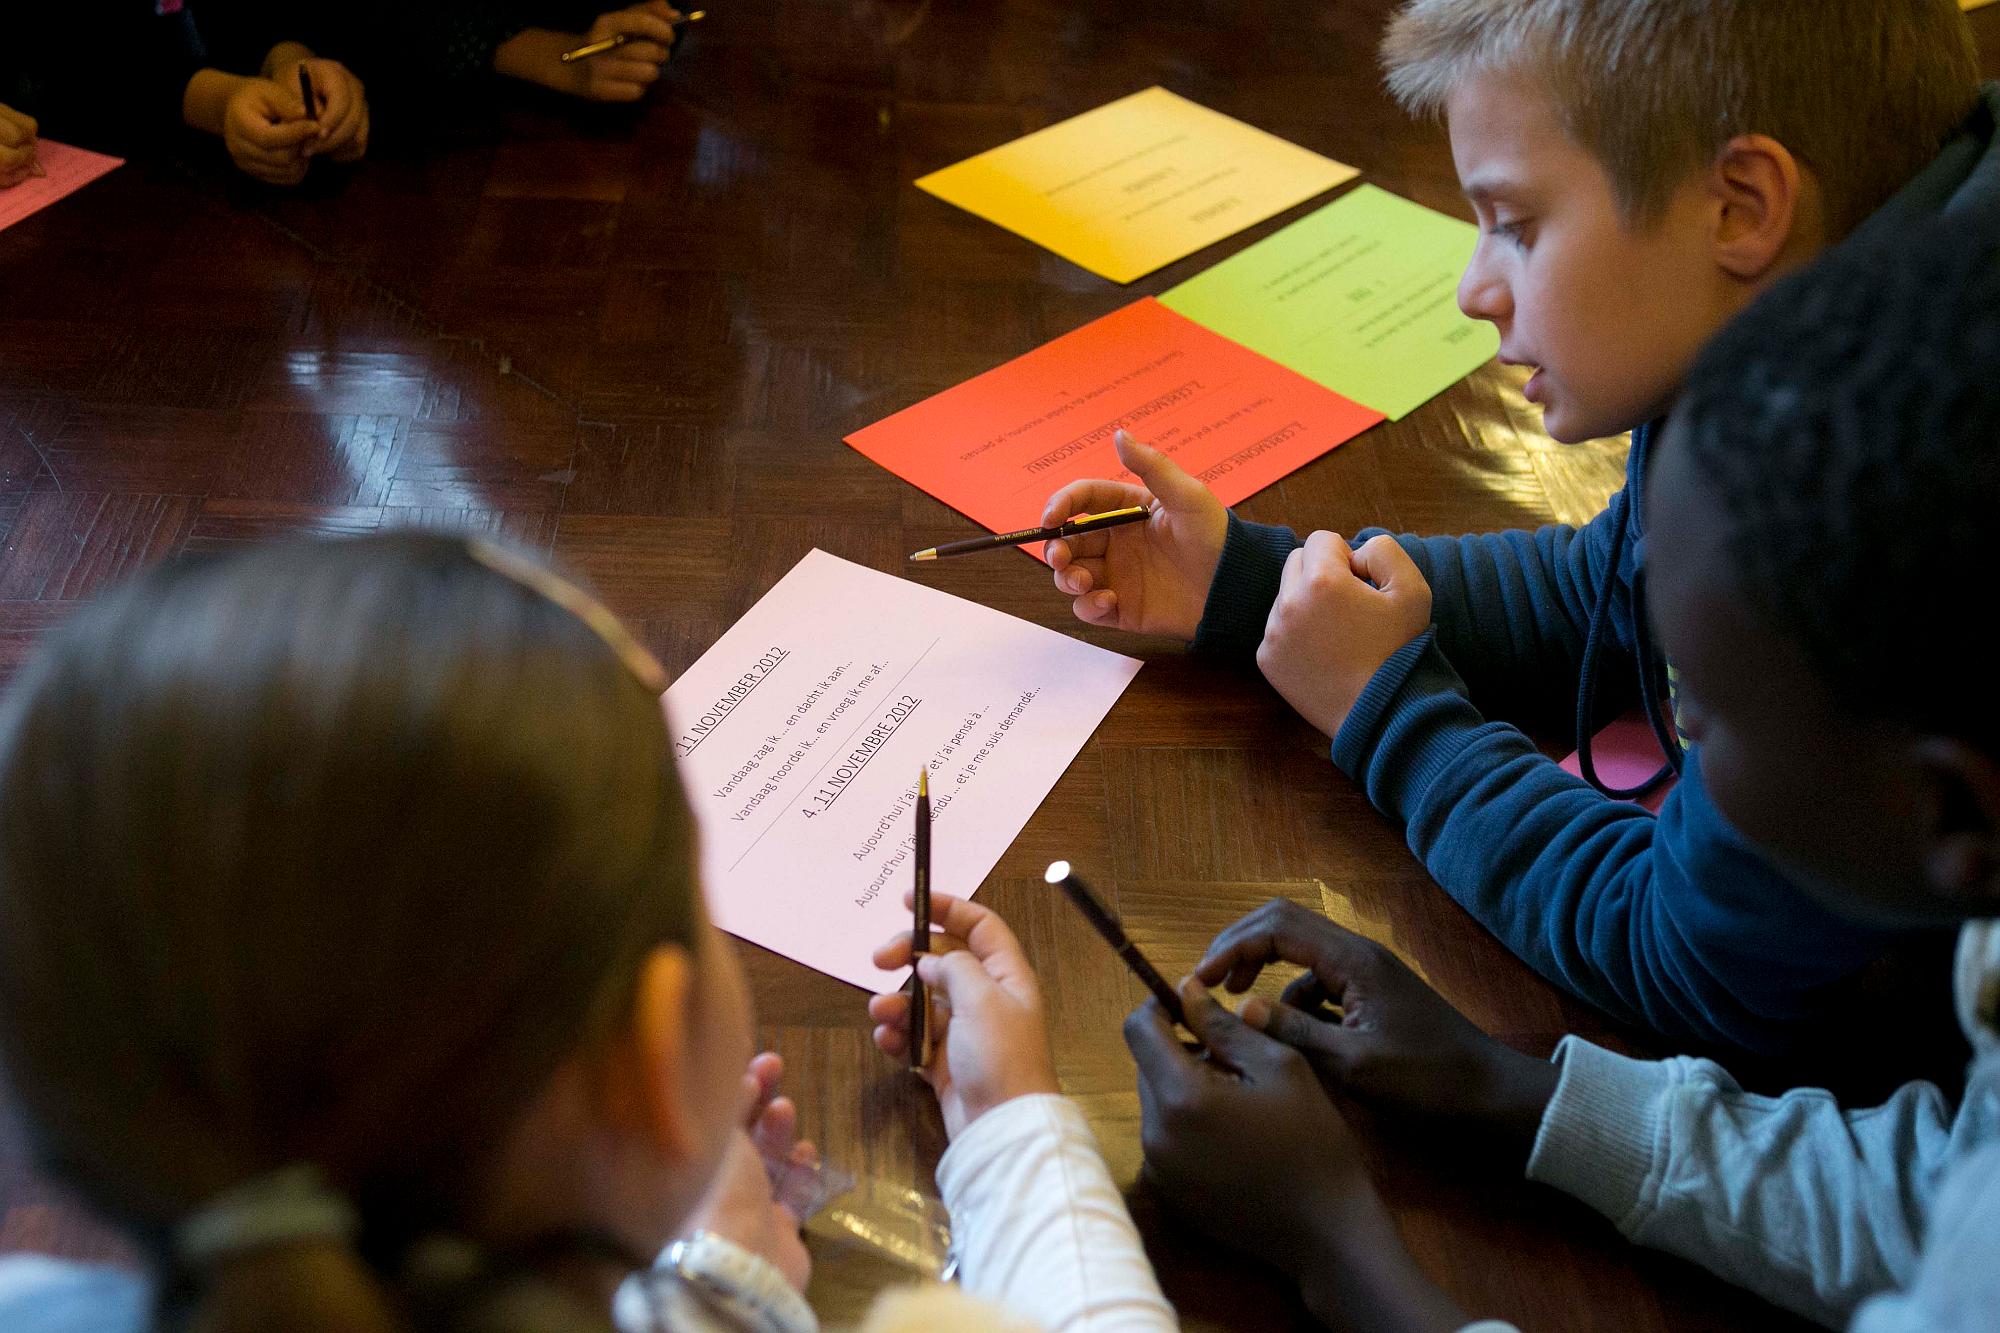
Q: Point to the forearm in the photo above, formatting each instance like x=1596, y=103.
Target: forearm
x=1357, y=1274
x=1811, y=1207
x=1575, y=884
x=1040, y=1227
x=1512, y=611
x=1245, y=585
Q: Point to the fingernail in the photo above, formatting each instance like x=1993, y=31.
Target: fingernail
x=1103, y=601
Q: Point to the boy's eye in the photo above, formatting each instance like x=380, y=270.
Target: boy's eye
x=1515, y=231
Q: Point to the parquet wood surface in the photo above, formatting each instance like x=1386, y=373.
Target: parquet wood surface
x=633, y=341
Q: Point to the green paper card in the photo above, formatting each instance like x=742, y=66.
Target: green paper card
x=1361, y=296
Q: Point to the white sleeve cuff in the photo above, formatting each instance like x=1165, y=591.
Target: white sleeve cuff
x=1603, y=1137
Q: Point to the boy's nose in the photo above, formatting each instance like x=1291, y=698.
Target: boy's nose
x=1481, y=294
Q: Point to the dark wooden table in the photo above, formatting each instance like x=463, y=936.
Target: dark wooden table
x=633, y=341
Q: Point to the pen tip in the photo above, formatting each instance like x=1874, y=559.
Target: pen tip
x=924, y=781
x=928, y=553
x=1057, y=872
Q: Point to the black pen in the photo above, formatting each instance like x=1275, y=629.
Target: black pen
x=306, y=93
x=920, y=929
x=1114, y=518
x=1099, y=916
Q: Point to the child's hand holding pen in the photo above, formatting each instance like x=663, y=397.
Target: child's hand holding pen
x=329, y=95
x=18, y=146
x=1151, y=577
x=992, y=1042
x=302, y=107
x=626, y=50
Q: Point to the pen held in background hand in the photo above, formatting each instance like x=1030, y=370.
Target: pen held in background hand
x=1112, y=518
x=307, y=96
x=616, y=40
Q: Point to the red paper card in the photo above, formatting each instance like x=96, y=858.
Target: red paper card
x=997, y=446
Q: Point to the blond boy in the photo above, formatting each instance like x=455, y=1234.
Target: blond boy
x=1640, y=170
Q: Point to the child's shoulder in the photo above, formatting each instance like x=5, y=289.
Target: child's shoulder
x=43, y=1294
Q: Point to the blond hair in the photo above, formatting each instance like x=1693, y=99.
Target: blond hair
x=1863, y=92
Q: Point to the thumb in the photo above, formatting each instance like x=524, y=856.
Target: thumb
x=1222, y=1032
x=1169, y=483
x=1383, y=562
x=1319, y=1041
x=959, y=975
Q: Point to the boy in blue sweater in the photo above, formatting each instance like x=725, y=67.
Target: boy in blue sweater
x=1641, y=170
x=1822, y=509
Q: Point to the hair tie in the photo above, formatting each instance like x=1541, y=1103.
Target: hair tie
x=294, y=1203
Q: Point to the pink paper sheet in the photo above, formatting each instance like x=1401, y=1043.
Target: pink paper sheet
x=69, y=169
x=1625, y=754
x=801, y=732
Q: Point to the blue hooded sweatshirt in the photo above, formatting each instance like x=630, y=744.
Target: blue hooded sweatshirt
x=1674, y=922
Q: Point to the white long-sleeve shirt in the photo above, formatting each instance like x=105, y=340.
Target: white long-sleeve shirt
x=1044, y=1242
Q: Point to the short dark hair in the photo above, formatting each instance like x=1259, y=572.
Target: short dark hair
x=1849, y=425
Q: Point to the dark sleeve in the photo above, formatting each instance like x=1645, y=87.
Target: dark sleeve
x=1512, y=611
x=121, y=90
x=421, y=55
x=1673, y=923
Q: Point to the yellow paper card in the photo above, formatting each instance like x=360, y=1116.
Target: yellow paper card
x=1973, y=4
x=1137, y=183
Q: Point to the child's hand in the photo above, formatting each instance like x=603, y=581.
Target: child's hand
x=1329, y=631
x=1258, y=1159
x=342, y=114
x=624, y=74
x=739, y=1204
x=1373, y=1028
x=992, y=1043
x=17, y=147
x=1151, y=577
x=264, y=128
x=739, y=1207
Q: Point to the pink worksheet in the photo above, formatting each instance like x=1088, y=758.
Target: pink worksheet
x=1625, y=754
x=68, y=169
x=800, y=735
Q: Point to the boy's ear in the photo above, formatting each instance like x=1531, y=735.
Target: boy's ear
x=1961, y=832
x=649, y=1061
x=1766, y=207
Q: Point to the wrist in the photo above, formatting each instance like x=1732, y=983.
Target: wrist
x=282, y=55
x=1361, y=1275
x=534, y=55
x=205, y=100
x=972, y=1104
x=1514, y=1096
